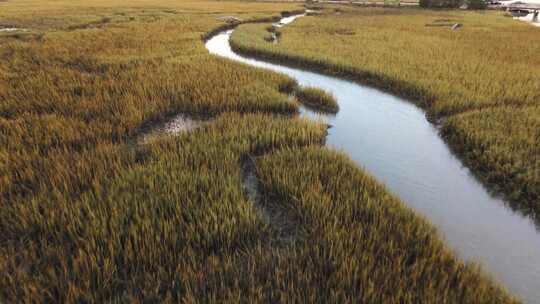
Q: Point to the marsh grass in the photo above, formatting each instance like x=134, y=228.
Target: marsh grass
x=152, y=228
x=85, y=217
x=358, y=236
x=502, y=146
x=317, y=99
x=446, y=72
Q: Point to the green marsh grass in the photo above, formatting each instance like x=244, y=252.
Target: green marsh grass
x=446, y=72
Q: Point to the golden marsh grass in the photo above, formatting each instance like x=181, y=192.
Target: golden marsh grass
x=317, y=99
x=86, y=216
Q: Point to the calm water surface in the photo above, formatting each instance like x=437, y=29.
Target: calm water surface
x=392, y=139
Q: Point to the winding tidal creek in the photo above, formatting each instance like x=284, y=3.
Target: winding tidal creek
x=392, y=139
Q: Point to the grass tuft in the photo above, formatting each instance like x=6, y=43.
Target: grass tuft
x=317, y=99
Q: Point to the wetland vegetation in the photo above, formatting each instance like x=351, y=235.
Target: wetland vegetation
x=317, y=99
x=484, y=93
x=88, y=216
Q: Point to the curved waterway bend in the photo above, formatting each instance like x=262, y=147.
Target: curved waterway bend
x=391, y=139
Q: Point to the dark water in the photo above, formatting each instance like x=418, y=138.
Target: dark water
x=392, y=140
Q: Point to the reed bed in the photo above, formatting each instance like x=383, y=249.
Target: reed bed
x=415, y=53
x=88, y=216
